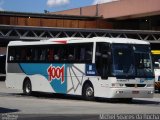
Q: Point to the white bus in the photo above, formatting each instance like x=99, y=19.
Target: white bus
x=91, y=67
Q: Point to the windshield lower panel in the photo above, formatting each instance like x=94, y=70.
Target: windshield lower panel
x=131, y=61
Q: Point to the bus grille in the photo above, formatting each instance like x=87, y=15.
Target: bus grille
x=135, y=85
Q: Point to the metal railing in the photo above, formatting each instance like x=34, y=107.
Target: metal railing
x=10, y=32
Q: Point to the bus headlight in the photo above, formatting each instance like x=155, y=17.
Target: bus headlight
x=150, y=92
x=117, y=85
x=149, y=85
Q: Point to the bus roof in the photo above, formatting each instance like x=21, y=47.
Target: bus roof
x=78, y=40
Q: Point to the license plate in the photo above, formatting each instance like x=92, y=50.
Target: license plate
x=135, y=92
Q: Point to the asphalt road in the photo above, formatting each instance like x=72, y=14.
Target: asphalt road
x=49, y=106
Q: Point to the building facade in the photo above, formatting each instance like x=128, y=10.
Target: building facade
x=123, y=14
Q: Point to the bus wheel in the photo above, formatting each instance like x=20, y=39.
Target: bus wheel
x=88, y=92
x=27, y=87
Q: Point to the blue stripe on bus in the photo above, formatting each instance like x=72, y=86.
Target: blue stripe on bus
x=59, y=85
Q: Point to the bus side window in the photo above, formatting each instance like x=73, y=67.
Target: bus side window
x=82, y=54
x=23, y=54
x=102, y=57
x=58, y=54
x=29, y=54
x=43, y=55
x=64, y=55
x=11, y=55
x=71, y=52
x=86, y=52
x=36, y=54
x=50, y=54
x=17, y=53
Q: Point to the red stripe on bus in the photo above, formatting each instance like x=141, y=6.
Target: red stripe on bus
x=63, y=42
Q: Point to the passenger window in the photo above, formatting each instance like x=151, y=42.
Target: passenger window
x=72, y=53
x=12, y=55
x=50, y=54
x=102, y=59
x=80, y=53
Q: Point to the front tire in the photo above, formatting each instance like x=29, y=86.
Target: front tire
x=27, y=88
x=88, y=92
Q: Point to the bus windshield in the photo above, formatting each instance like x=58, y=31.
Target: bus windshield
x=131, y=60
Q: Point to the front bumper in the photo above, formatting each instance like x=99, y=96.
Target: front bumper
x=131, y=93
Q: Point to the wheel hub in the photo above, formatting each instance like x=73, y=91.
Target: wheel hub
x=89, y=92
x=28, y=88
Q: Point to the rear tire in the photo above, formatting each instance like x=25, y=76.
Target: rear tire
x=27, y=87
x=88, y=92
